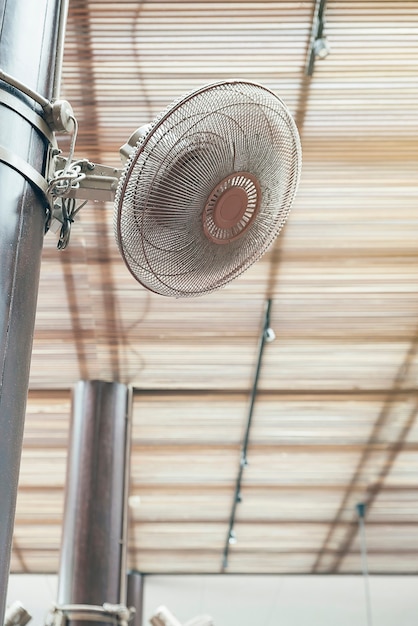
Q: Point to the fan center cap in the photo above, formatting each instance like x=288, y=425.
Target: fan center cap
x=230, y=207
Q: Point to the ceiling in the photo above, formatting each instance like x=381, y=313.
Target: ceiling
x=334, y=420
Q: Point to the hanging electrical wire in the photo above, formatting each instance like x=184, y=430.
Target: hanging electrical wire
x=64, y=208
x=267, y=336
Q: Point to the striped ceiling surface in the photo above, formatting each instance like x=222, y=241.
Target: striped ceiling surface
x=334, y=421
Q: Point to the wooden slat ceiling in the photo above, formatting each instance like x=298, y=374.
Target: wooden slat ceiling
x=335, y=418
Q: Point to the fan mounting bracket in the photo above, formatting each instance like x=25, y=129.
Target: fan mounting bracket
x=94, y=181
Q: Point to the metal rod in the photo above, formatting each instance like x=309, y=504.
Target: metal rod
x=135, y=596
x=361, y=511
x=94, y=531
x=56, y=89
x=244, y=446
x=316, y=33
x=28, y=53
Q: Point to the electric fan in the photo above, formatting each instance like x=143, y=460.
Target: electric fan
x=207, y=189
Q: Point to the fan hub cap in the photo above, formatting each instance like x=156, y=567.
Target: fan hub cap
x=231, y=207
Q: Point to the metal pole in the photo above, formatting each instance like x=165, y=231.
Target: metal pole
x=92, y=568
x=135, y=596
x=28, y=36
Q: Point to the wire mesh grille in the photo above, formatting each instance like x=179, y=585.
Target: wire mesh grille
x=209, y=135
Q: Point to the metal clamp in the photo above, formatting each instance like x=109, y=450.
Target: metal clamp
x=11, y=101
x=26, y=170
x=65, y=180
x=116, y=614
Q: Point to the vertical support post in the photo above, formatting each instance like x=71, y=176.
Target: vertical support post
x=135, y=596
x=28, y=40
x=92, y=568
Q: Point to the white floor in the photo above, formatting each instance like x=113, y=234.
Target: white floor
x=257, y=600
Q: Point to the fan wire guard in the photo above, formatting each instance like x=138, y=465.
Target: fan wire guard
x=208, y=189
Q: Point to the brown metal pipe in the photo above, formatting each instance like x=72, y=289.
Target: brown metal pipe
x=92, y=567
x=28, y=41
